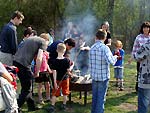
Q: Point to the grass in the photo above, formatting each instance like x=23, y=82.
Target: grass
x=116, y=101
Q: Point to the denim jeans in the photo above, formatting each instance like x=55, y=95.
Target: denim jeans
x=99, y=90
x=143, y=100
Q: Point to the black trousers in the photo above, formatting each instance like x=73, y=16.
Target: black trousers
x=25, y=77
x=138, y=69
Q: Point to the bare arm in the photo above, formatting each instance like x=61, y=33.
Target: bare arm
x=4, y=73
x=38, y=62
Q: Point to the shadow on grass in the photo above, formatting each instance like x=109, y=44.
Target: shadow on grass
x=116, y=101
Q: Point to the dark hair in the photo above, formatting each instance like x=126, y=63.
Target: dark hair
x=17, y=14
x=70, y=42
x=145, y=24
x=34, y=32
x=100, y=34
x=51, y=30
x=27, y=31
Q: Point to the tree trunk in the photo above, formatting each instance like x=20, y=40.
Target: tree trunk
x=110, y=12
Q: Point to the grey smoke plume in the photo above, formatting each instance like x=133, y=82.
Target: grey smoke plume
x=85, y=20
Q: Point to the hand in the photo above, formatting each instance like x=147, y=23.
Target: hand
x=36, y=75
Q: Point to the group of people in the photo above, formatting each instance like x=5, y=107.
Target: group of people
x=53, y=64
x=35, y=48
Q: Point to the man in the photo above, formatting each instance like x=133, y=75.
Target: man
x=8, y=38
x=31, y=48
x=100, y=58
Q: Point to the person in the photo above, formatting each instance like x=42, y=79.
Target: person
x=8, y=90
x=27, y=33
x=141, y=39
x=69, y=43
x=8, y=38
x=51, y=36
x=60, y=67
x=118, y=67
x=82, y=57
x=142, y=55
x=68, y=30
x=100, y=57
x=105, y=26
x=44, y=75
x=32, y=47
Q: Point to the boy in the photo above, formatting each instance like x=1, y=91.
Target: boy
x=100, y=59
x=118, y=67
x=60, y=67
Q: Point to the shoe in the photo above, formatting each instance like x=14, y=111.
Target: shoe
x=34, y=109
x=121, y=89
x=41, y=102
x=19, y=110
x=63, y=107
x=48, y=100
x=51, y=109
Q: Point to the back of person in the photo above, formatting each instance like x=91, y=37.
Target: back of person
x=52, y=49
x=29, y=49
x=61, y=66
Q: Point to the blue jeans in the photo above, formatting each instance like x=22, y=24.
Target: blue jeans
x=143, y=100
x=118, y=72
x=99, y=90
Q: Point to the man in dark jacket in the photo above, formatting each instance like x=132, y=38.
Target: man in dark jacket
x=8, y=38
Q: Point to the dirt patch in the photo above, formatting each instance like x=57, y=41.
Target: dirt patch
x=128, y=107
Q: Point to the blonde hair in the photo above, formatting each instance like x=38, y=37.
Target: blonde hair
x=61, y=47
x=45, y=36
x=118, y=43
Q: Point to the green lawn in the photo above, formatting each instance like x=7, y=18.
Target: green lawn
x=116, y=101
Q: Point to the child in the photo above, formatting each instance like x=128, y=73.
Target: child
x=118, y=67
x=60, y=68
x=44, y=74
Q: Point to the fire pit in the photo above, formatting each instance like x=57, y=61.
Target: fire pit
x=82, y=85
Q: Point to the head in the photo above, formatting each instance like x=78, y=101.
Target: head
x=118, y=44
x=69, y=25
x=70, y=43
x=17, y=18
x=61, y=48
x=34, y=32
x=46, y=37
x=145, y=28
x=105, y=26
x=101, y=34
x=51, y=31
x=27, y=32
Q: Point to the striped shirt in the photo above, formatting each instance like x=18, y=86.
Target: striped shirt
x=100, y=58
x=139, y=41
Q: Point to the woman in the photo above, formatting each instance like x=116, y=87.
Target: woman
x=141, y=39
x=105, y=27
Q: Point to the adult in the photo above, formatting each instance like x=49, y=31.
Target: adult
x=51, y=36
x=141, y=39
x=143, y=56
x=27, y=33
x=105, y=26
x=100, y=59
x=8, y=38
x=31, y=48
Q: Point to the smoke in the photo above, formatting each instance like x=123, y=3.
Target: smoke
x=85, y=20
